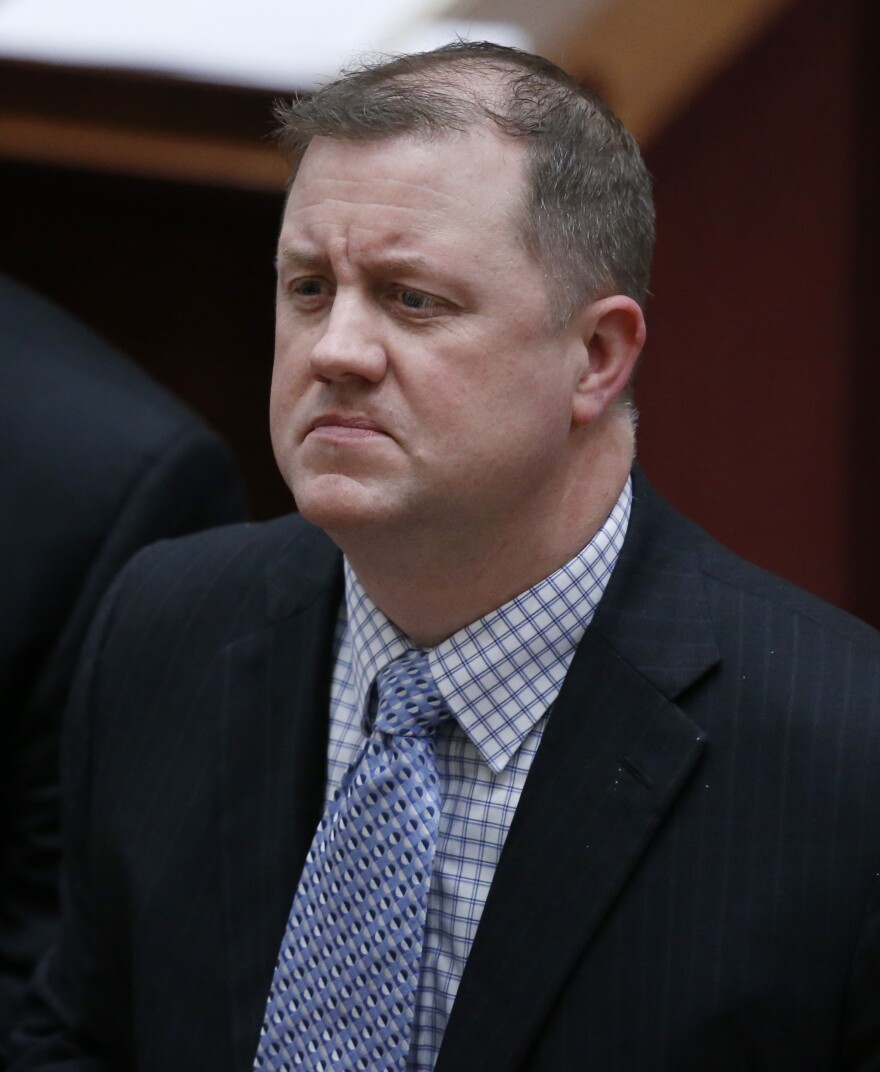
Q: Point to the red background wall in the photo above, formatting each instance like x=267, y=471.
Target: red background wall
x=748, y=381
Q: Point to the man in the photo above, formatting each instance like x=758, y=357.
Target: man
x=592, y=792
x=96, y=461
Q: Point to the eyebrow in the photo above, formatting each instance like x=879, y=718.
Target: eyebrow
x=300, y=258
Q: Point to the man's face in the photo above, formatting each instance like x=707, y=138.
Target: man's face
x=418, y=387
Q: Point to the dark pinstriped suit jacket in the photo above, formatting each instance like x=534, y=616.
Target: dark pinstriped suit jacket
x=689, y=884
x=96, y=461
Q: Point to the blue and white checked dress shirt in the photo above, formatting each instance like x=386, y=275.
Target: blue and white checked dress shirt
x=499, y=676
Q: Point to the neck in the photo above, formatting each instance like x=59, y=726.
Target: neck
x=431, y=586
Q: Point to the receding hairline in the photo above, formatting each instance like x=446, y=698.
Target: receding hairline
x=588, y=211
x=516, y=195
x=463, y=87
x=479, y=128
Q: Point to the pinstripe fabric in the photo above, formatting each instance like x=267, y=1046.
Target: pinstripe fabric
x=689, y=883
x=498, y=676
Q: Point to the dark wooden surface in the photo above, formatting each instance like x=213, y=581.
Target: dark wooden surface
x=136, y=100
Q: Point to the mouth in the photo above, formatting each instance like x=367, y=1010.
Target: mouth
x=341, y=426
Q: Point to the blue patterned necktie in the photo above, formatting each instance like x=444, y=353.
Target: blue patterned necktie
x=344, y=990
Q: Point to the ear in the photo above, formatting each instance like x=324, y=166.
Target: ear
x=612, y=333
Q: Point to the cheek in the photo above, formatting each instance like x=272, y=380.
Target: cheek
x=515, y=377
x=279, y=430
x=278, y=390
x=283, y=396
x=290, y=368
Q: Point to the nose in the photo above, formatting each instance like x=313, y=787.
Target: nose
x=350, y=344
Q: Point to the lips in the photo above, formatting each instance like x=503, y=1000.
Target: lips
x=339, y=420
x=345, y=426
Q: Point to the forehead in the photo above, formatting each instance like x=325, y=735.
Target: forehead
x=394, y=189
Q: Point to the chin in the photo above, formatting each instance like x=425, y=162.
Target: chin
x=339, y=504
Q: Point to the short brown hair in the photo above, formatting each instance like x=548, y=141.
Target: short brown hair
x=589, y=217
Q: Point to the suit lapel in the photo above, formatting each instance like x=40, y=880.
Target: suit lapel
x=272, y=774
x=615, y=753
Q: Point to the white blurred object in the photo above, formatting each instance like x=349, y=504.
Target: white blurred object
x=547, y=24
x=278, y=44
x=423, y=35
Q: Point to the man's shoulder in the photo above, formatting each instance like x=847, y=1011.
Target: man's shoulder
x=691, y=573
x=735, y=644
x=181, y=606
x=757, y=590
x=61, y=372
x=242, y=573
x=229, y=552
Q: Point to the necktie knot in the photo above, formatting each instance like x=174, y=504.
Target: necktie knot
x=409, y=703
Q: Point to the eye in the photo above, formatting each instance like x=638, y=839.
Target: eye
x=414, y=299
x=418, y=302
x=308, y=293
x=308, y=288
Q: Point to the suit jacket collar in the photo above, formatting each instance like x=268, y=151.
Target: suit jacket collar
x=306, y=571
x=616, y=751
x=655, y=612
x=614, y=756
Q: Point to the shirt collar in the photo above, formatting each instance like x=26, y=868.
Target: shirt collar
x=501, y=673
